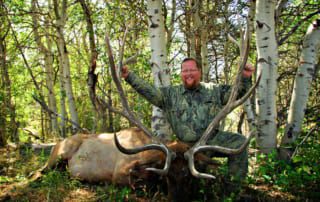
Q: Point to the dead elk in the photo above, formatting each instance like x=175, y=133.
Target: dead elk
x=96, y=158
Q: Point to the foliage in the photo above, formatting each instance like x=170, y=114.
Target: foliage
x=300, y=176
x=112, y=17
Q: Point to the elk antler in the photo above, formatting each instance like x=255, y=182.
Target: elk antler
x=231, y=104
x=157, y=144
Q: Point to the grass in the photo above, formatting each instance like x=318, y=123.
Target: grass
x=269, y=180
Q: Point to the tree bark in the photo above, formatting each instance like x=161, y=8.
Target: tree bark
x=304, y=76
x=267, y=66
x=161, y=73
x=46, y=51
x=7, y=129
x=3, y=92
x=61, y=17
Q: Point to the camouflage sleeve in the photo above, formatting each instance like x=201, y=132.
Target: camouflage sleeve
x=151, y=93
x=225, y=90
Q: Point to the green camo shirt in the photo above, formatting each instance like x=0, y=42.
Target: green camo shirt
x=189, y=112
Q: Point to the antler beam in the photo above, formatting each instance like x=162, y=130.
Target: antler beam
x=157, y=144
x=231, y=105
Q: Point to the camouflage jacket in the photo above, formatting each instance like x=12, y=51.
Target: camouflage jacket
x=189, y=112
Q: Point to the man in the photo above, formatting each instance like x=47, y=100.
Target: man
x=191, y=107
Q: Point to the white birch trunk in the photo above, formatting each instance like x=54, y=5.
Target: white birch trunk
x=50, y=84
x=64, y=61
x=161, y=73
x=267, y=67
x=302, y=83
x=48, y=59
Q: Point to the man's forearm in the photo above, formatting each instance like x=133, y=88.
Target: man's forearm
x=151, y=93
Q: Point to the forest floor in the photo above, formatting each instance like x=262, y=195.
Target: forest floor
x=18, y=173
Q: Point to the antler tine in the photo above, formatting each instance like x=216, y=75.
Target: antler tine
x=231, y=104
x=158, y=145
x=124, y=101
x=199, y=146
x=225, y=150
x=214, y=148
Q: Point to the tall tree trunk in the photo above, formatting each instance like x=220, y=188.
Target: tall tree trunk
x=161, y=73
x=61, y=17
x=194, y=33
x=204, y=55
x=7, y=129
x=48, y=66
x=3, y=71
x=171, y=26
x=92, y=80
x=267, y=67
x=63, y=110
x=305, y=74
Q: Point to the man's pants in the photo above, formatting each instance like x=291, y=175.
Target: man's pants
x=237, y=164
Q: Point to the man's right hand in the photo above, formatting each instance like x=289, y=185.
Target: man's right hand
x=124, y=72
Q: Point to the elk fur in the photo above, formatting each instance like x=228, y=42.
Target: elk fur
x=96, y=158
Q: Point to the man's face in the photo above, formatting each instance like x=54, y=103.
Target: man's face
x=190, y=74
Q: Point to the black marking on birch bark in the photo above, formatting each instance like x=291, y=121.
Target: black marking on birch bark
x=262, y=60
x=312, y=72
x=266, y=122
x=261, y=24
x=290, y=131
x=261, y=102
x=153, y=25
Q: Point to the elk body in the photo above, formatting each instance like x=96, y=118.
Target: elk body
x=96, y=158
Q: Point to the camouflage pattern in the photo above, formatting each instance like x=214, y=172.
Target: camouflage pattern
x=189, y=112
x=237, y=164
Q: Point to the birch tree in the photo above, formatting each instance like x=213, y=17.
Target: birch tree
x=161, y=73
x=61, y=17
x=46, y=51
x=304, y=76
x=267, y=67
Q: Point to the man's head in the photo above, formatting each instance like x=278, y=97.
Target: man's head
x=190, y=73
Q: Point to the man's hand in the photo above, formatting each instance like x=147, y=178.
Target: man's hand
x=124, y=72
x=247, y=71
